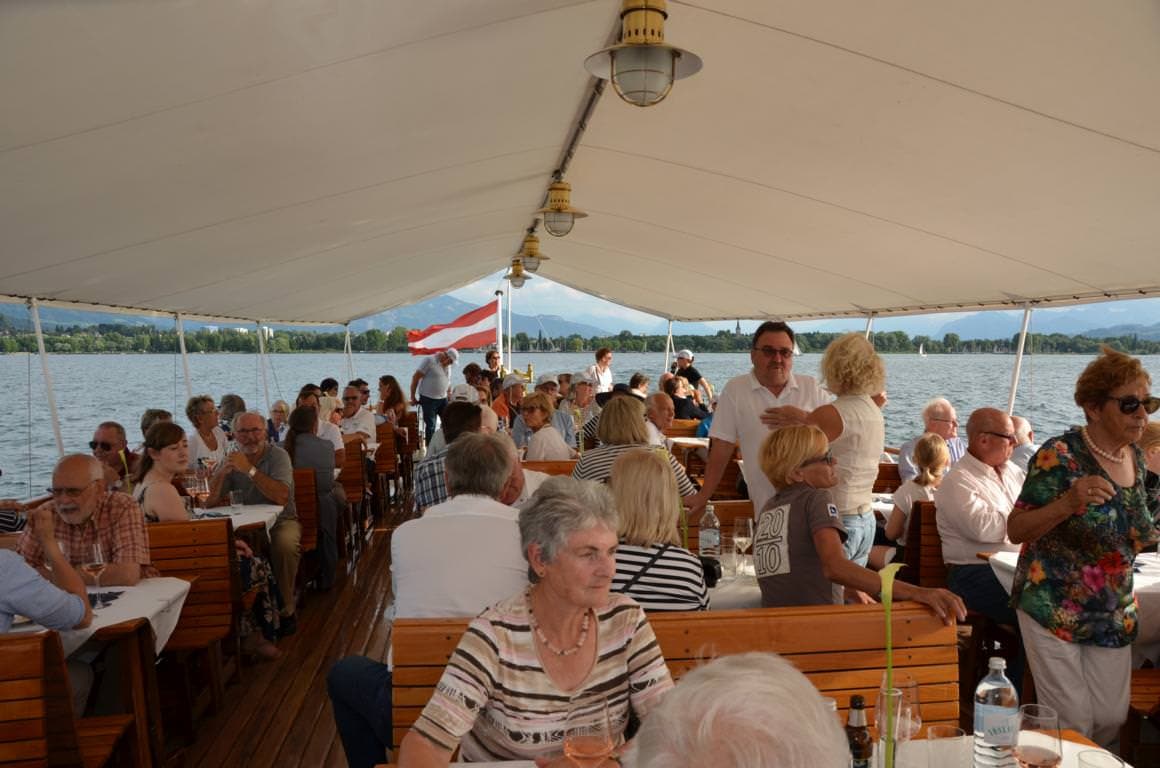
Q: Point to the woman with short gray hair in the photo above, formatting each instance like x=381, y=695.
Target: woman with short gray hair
x=538, y=651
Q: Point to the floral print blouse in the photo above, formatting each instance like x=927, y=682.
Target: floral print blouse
x=1076, y=580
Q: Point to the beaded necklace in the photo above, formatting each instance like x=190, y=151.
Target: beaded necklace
x=1115, y=458
x=544, y=640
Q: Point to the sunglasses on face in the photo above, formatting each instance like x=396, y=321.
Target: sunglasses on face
x=785, y=352
x=1129, y=403
x=95, y=444
x=825, y=458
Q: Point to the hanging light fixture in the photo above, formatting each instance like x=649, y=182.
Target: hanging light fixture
x=530, y=254
x=516, y=274
x=642, y=67
x=559, y=215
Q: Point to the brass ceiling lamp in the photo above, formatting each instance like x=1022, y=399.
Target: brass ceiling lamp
x=642, y=67
x=530, y=254
x=516, y=274
x=559, y=215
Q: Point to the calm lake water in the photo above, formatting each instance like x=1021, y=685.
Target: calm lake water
x=94, y=388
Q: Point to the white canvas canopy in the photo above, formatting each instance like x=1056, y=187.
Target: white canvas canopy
x=321, y=161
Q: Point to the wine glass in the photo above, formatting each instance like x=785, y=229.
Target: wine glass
x=95, y=566
x=1098, y=758
x=588, y=737
x=911, y=699
x=742, y=540
x=1038, y=744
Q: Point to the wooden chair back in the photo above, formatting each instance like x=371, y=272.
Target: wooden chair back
x=387, y=454
x=888, y=480
x=354, y=474
x=727, y=488
x=9, y=541
x=727, y=512
x=924, y=559
x=201, y=551
x=683, y=428
x=841, y=649
x=37, y=726
x=551, y=467
x=306, y=504
x=410, y=420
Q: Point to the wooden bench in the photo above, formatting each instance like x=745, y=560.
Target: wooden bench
x=552, y=467
x=37, y=726
x=683, y=428
x=841, y=649
x=924, y=558
x=353, y=478
x=306, y=506
x=888, y=480
x=1144, y=704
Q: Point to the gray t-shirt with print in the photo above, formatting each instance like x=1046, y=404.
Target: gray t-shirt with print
x=789, y=570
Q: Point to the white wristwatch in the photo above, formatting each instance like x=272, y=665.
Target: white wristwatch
x=253, y=471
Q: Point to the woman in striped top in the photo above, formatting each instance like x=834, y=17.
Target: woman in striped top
x=622, y=429
x=564, y=644
x=651, y=565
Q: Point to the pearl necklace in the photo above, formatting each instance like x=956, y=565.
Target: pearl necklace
x=544, y=640
x=1115, y=458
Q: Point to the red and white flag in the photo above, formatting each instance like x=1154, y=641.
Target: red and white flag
x=475, y=329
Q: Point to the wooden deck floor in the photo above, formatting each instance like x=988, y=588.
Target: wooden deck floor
x=279, y=714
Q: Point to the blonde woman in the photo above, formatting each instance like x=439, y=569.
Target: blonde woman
x=546, y=442
x=932, y=457
x=651, y=565
x=853, y=424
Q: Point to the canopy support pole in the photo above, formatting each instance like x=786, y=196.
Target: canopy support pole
x=668, y=349
x=34, y=308
x=349, y=355
x=499, y=325
x=869, y=324
x=511, y=364
x=262, y=363
x=1018, y=359
x=184, y=357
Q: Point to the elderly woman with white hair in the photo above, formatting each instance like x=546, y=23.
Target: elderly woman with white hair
x=742, y=711
x=565, y=644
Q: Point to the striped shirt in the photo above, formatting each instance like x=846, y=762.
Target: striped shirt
x=597, y=465
x=675, y=582
x=495, y=702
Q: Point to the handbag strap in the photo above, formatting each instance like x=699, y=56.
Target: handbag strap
x=636, y=576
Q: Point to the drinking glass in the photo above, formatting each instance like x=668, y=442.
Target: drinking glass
x=1038, y=744
x=729, y=558
x=948, y=746
x=742, y=540
x=95, y=566
x=908, y=684
x=891, y=715
x=1098, y=758
x=588, y=735
x=237, y=500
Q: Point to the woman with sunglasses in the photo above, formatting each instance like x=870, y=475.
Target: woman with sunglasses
x=797, y=545
x=1082, y=517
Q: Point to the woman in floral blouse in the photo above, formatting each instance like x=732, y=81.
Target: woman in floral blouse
x=1082, y=517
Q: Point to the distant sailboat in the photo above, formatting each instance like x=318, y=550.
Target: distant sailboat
x=796, y=349
x=921, y=351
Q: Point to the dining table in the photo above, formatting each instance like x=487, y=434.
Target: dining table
x=247, y=517
x=1146, y=584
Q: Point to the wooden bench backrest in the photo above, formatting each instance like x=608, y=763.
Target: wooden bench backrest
x=924, y=558
x=727, y=512
x=841, y=649
x=727, y=488
x=683, y=428
x=306, y=505
x=36, y=716
x=410, y=420
x=354, y=474
x=387, y=454
x=203, y=549
x=888, y=480
x=551, y=467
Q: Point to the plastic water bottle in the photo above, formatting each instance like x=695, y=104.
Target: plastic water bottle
x=996, y=717
x=710, y=536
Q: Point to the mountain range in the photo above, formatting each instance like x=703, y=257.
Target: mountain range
x=1123, y=318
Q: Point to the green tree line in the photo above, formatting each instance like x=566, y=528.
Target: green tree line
x=113, y=338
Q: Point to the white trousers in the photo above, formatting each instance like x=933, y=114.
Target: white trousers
x=1087, y=685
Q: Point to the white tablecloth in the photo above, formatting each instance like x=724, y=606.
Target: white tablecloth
x=250, y=515
x=158, y=600
x=1147, y=588
x=735, y=594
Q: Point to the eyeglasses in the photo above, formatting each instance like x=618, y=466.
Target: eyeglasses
x=946, y=421
x=348, y=398
x=1008, y=436
x=1129, y=403
x=94, y=445
x=825, y=458
x=248, y=430
x=365, y=391
x=786, y=352
x=72, y=493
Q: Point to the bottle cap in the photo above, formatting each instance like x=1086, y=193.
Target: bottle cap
x=996, y=662
x=857, y=702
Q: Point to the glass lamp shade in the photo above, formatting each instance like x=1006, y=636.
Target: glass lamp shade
x=517, y=281
x=531, y=263
x=643, y=74
x=558, y=223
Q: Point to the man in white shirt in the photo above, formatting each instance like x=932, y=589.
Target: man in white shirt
x=938, y=417
x=429, y=387
x=770, y=386
x=458, y=558
x=357, y=422
x=973, y=503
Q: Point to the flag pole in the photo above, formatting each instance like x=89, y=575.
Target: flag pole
x=511, y=365
x=499, y=325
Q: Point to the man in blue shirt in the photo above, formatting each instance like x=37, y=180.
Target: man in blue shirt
x=60, y=606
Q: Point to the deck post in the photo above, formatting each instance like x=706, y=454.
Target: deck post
x=668, y=349
x=499, y=325
x=349, y=355
x=262, y=363
x=34, y=308
x=1018, y=359
x=184, y=357
x=869, y=324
